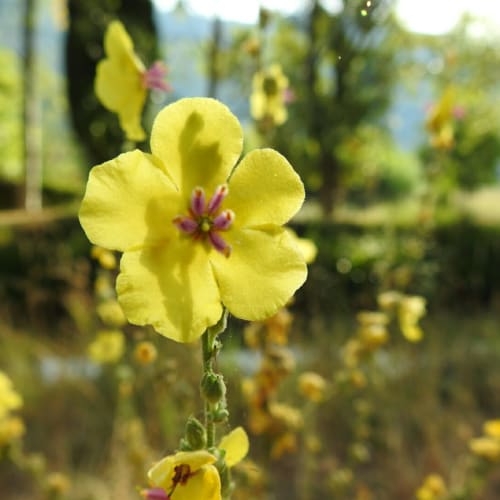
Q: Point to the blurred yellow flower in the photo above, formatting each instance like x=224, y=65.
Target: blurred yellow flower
x=286, y=443
x=372, y=317
x=111, y=314
x=307, y=247
x=268, y=98
x=389, y=300
x=106, y=259
x=486, y=447
x=492, y=428
x=107, y=347
x=145, y=352
x=9, y=398
x=433, y=488
x=184, y=255
x=11, y=428
x=312, y=386
x=122, y=81
x=187, y=475
x=278, y=327
x=411, y=309
x=57, y=484
x=440, y=121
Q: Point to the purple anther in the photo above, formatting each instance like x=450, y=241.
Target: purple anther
x=186, y=224
x=198, y=202
x=153, y=78
x=219, y=244
x=216, y=200
x=224, y=220
x=155, y=494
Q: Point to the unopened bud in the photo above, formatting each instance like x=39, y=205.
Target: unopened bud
x=213, y=388
x=196, y=435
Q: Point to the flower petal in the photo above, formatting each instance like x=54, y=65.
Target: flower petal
x=264, y=270
x=129, y=202
x=118, y=44
x=119, y=88
x=264, y=189
x=204, y=485
x=162, y=472
x=171, y=287
x=199, y=141
x=236, y=446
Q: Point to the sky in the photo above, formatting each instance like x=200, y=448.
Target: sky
x=422, y=16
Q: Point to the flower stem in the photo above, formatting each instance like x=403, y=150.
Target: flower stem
x=210, y=348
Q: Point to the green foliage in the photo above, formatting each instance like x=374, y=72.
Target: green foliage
x=379, y=170
x=10, y=105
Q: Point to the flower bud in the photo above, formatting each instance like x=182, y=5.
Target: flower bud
x=220, y=414
x=195, y=435
x=213, y=388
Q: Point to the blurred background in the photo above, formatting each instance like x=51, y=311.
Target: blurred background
x=393, y=122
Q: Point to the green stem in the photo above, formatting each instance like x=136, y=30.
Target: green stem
x=210, y=347
x=207, y=348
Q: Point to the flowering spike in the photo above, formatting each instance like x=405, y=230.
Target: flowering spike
x=155, y=494
x=219, y=244
x=224, y=220
x=153, y=78
x=198, y=202
x=216, y=200
x=185, y=224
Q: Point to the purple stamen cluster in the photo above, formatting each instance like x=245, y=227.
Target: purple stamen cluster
x=153, y=78
x=155, y=494
x=206, y=220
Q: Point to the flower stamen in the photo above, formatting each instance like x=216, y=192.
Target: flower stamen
x=205, y=220
x=153, y=78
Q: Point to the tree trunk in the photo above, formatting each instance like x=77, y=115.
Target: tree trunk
x=32, y=133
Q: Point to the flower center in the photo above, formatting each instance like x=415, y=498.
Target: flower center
x=206, y=220
x=270, y=86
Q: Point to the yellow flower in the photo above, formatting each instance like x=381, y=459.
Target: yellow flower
x=122, y=80
x=145, y=352
x=108, y=347
x=9, y=398
x=440, y=121
x=389, y=300
x=11, y=428
x=284, y=444
x=372, y=318
x=57, y=484
x=187, y=255
x=486, y=447
x=106, y=259
x=187, y=475
x=192, y=475
x=111, y=313
x=492, y=428
x=433, y=488
x=373, y=335
x=269, y=95
x=306, y=246
x=312, y=386
x=411, y=309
